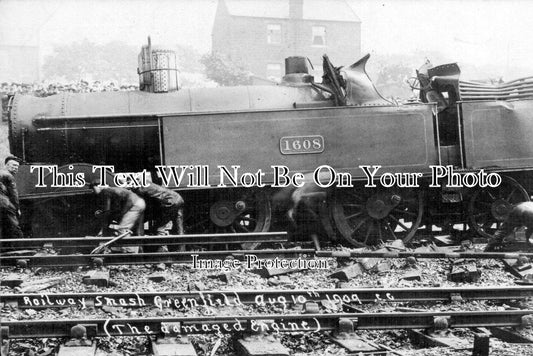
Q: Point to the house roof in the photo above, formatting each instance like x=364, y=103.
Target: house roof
x=326, y=10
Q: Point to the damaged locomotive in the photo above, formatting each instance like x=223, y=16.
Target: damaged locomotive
x=342, y=122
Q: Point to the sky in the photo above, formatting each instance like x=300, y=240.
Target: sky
x=481, y=32
x=473, y=31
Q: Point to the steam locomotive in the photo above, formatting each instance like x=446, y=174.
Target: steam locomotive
x=232, y=133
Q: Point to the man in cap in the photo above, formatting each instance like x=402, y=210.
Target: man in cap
x=119, y=204
x=521, y=215
x=9, y=200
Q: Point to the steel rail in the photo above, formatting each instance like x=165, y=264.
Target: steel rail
x=216, y=298
x=405, y=254
x=272, y=323
x=92, y=242
x=40, y=260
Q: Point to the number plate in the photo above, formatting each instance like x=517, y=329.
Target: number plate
x=292, y=145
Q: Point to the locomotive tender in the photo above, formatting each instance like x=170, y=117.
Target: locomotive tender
x=342, y=123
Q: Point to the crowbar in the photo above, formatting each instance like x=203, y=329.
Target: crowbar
x=101, y=247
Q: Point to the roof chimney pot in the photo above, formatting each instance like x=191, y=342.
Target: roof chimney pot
x=296, y=9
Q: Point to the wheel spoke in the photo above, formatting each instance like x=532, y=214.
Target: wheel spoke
x=358, y=197
x=490, y=194
x=399, y=222
x=367, y=236
x=510, y=194
x=353, y=205
x=358, y=226
x=379, y=230
x=391, y=230
x=354, y=215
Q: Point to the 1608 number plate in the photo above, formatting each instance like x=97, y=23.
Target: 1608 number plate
x=291, y=145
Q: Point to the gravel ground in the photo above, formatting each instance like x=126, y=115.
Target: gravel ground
x=134, y=278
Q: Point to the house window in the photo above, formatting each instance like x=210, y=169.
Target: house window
x=319, y=36
x=273, y=33
x=273, y=71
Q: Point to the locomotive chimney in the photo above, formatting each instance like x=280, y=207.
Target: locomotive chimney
x=158, y=69
x=297, y=71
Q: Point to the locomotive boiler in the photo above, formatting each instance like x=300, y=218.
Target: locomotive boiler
x=221, y=139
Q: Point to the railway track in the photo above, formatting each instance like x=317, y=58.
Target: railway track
x=85, y=243
x=251, y=331
x=87, y=259
x=298, y=323
x=41, y=260
x=246, y=311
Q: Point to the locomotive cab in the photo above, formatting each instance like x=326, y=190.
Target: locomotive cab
x=440, y=85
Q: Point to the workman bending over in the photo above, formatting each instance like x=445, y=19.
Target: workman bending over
x=167, y=206
x=520, y=215
x=9, y=200
x=119, y=204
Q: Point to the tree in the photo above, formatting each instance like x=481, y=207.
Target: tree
x=189, y=60
x=224, y=71
x=86, y=60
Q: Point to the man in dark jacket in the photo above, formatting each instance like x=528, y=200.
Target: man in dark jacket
x=119, y=204
x=520, y=215
x=9, y=200
x=168, y=207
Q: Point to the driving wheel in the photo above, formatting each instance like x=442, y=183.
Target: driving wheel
x=364, y=216
x=489, y=207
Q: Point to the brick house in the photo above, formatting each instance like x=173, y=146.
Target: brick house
x=260, y=34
